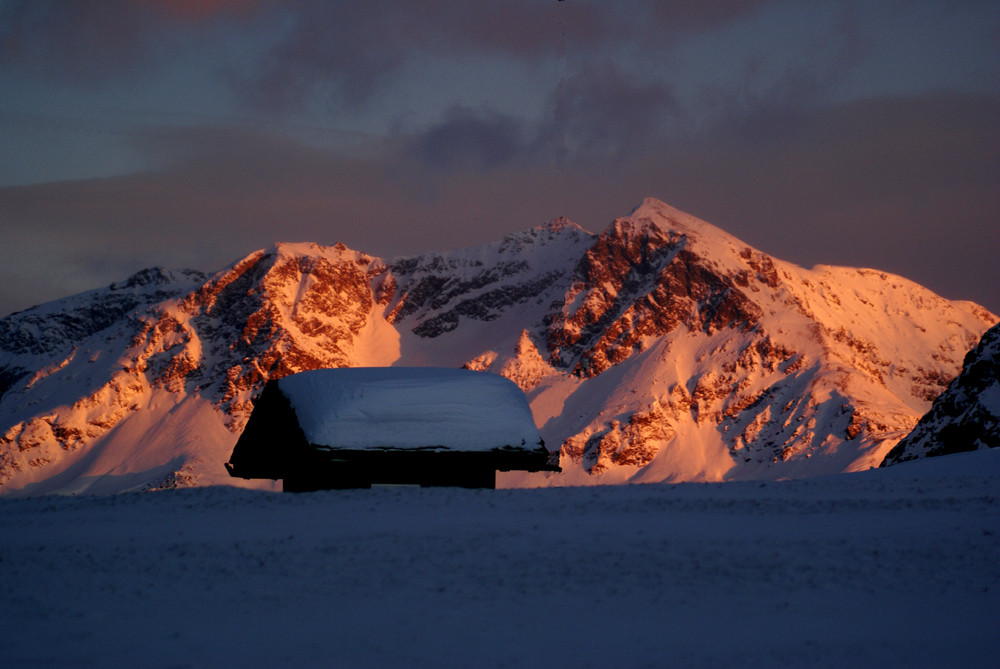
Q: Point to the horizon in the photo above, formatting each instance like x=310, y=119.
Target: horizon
x=459, y=250
x=187, y=134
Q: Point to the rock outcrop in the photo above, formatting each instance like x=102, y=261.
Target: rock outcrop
x=966, y=416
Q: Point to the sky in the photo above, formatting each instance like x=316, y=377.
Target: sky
x=187, y=133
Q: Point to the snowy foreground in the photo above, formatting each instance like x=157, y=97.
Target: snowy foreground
x=897, y=567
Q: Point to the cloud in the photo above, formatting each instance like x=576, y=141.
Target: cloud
x=698, y=16
x=603, y=110
x=343, y=42
x=291, y=53
x=69, y=41
x=100, y=41
x=469, y=139
x=198, y=11
x=903, y=184
x=343, y=52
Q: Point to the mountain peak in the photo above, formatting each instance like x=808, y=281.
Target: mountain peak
x=562, y=223
x=657, y=211
x=651, y=207
x=670, y=218
x=157, y=276
x=661, y=349
x=313, y=250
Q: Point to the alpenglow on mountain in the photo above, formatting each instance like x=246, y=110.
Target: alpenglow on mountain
x=661, y=349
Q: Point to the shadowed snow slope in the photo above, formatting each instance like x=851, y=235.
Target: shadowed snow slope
x=891, y=567
x=661, y=349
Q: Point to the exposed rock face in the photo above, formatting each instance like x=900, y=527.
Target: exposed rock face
x=276, y=313
x=661, y=349
x=966, y=416
x=636, y=282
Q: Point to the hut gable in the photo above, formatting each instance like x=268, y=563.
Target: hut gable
x=354, y=427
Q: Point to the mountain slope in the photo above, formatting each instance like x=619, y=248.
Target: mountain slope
x=966, y=416
x=743, y=366
x=661, y=349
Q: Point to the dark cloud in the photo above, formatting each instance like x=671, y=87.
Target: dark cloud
x=337, y=54
x=906, y=185
x=685, y=15
x=519, y=28
x=763, y=147
x=292, y=52
x=199, y=11
x=602, y=110
x=70, y=41
x=350, y=46
x=98, y=41
x=466, y=138
x=838, y=50
x=772, y=81
x=344, y=51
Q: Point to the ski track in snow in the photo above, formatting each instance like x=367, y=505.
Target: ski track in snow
x=893, y=567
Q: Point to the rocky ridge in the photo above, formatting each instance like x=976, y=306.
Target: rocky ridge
x=966, y=416
x=661, y=349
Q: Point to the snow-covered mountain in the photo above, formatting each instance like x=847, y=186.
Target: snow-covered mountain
x=966, y=416
x=662, y=349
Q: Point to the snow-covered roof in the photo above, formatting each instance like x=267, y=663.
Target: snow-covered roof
x=410, y=407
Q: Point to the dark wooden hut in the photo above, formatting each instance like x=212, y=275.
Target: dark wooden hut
x=356, y=427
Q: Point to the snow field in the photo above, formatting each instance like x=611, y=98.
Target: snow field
x=895, y=567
